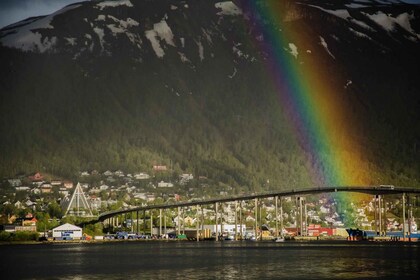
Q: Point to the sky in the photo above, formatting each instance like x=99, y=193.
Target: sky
x=12, y=11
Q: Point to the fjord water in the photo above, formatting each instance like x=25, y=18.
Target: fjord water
x=211, y=260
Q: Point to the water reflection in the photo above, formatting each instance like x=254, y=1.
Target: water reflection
x=209, y=260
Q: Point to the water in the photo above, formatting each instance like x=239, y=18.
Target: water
x=211, y=260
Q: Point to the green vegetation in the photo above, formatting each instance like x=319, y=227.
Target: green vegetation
x=18, y=236
x=61, y=115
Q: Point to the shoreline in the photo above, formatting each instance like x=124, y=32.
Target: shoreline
x=312, y=241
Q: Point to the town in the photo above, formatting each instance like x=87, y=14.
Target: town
x=39, y=203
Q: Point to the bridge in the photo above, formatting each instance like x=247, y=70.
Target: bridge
x=378, y=191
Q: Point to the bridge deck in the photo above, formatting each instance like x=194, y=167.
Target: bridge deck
x=314, y=190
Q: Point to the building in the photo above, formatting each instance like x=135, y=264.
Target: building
x=226, y=229
x=67, y=232
x=37, y=177
x=77, y=204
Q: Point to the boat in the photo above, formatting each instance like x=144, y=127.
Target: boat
x=230, y=237
x=279, y=239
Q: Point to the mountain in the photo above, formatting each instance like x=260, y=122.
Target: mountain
x=130, y=84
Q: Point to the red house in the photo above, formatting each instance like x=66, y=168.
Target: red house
x=37, y=177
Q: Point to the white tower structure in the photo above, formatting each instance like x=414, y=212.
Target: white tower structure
x=77, y=204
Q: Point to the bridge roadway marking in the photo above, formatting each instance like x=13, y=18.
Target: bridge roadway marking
x=314, y=190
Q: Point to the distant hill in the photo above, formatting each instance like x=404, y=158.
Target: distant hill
x=134, y=83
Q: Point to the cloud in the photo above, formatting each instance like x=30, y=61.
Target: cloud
x=12, y=11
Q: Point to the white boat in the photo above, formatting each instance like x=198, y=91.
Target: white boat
x=279, y=239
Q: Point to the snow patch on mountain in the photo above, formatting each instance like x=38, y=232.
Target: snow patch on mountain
x=361, y=24
x=324, y=44
x=360, y=34
x=293, y=50
x=151, y=35
x=403, y=20
x=160, y=31
x=228, y=8
x=355, y=6
x=25, y=35
x=121, y=26
x=200, y=50
x=385, y=21
x=344, y=14
x=183, y=57
x=164, y=32
x=113, y=4
x=388, y=22
x=71, y=41
x=100, y=32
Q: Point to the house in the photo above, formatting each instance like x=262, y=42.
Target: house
x=22, y=188
x=46, y=188
x=94, y=172
x=141, y=176
x=95, y=202
x=68, y=184
x=84, y=174
x=160, y=168
x=30, y=204
x=150, y=197
x=110, y=179
x=140, y=196
x=104, y=187
x=19, y=205
x=36, y=191
x=108, y=173
x=185, y=178
x=163, y=184
x=14, y=182
x=37, y=177
x=94, y=190
x=119, y=173
x=64, y=191
x=30, y=221
x=67, y=232
x=56, y=182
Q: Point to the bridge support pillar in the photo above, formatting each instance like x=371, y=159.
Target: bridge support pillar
x=151, y=223
x=179, y=222
x=132, y=221
x=197, y=222
x=256, y=218
x=277, y=215
x=240, y=220
x=137, y=219
x=144, y=222
x=216, y=210
x=300, y=231
x=164, y=223
x=281, y=216
x=236, y=220
x=160, y=222
x=403, y=217
x=380, y=214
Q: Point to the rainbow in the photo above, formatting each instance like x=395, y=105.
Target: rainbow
x=312, y=102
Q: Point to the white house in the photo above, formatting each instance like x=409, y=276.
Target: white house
x=163, y=184
x=141, y=176
x=67, y=232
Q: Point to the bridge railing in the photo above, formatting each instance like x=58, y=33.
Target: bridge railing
x=381, y=189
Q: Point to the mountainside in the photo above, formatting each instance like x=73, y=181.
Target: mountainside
x=134, y=83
